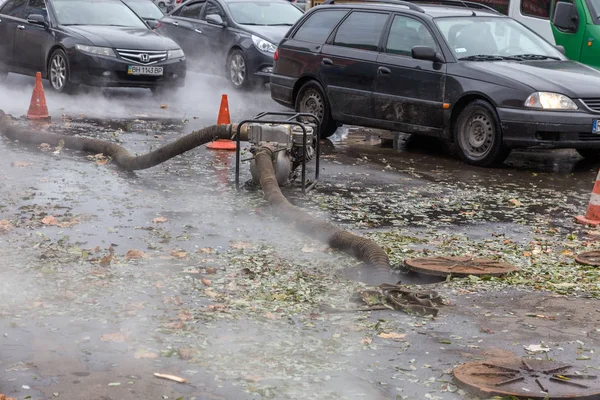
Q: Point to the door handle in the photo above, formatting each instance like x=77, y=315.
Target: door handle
x=21, y=27
x=326, y=61
x=175, y=23
x=197, y=30
x=383, y=71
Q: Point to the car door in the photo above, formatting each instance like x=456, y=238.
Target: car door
x=33, y=41
x=348, y=64
x=11, y=16
x=213, y=38
x=182, y=26
x=409, y=93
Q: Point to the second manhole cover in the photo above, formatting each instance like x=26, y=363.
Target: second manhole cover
x=458, y=266
x=527, y=379
x=589, y=258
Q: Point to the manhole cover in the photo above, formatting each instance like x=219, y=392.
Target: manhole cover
x=589, y=258
x=459, y=266
x=527, y=379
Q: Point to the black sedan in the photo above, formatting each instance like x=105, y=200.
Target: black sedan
x=235, y=38
x=93, y=42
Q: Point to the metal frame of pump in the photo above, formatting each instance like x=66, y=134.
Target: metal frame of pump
x=292, y=120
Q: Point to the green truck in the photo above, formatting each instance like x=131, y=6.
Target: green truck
x=572, y=24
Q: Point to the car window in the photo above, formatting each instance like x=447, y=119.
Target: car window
x=96, y=12
x=495, y=36
x=145, y=9
x=318, y=27
x=361, y=30
x=212, y=8
x=406, y=33
x=192, y=10
x=14, y=8
x=499, y=5
x=36, y=7
x=536, y=8
x=265, y=13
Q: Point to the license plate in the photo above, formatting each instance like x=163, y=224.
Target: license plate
x=138, y=70
x=595, y=126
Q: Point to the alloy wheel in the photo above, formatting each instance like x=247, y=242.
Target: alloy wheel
x=58, y=72
x=237, y=69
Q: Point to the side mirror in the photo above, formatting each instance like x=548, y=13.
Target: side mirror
x=152, y=23
x=565, y=17
x=215, y=19
x=425, y=53
x=561, y=49
x=38, y=19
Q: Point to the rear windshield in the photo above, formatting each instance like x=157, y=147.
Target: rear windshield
x=96, y=12
x=264, y=13
x=145, y=9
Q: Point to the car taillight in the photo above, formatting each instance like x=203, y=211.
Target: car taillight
x=276, y=55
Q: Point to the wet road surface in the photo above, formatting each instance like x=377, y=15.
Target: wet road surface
x=109, y=276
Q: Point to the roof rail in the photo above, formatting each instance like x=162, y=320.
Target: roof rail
x=411, y=6
x=465, y=3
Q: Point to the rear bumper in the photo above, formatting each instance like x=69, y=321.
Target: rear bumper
x=282, y=90
x=548, y=129
x=111, y=72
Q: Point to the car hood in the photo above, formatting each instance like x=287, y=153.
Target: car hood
x=120, y=37
x=566, y=77
x=273, y=34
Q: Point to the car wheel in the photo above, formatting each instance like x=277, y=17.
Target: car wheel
x=162, y=6
x=312, y=99
x=58, y=71
x=589, y=154
x=478, y=136
x=237, y=70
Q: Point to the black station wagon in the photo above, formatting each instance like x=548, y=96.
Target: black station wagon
x=455, y=70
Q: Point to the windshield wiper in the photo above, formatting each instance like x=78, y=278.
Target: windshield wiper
x=535, y=57
x=279, y=24
x=486, y=57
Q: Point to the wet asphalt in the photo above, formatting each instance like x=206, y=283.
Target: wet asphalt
x=73, y=328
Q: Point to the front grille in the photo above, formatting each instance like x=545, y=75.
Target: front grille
x=592, y=104
x=142, y=57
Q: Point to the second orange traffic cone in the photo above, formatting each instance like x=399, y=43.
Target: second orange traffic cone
x=592, y=215
x=37, y=107
x=223, y=119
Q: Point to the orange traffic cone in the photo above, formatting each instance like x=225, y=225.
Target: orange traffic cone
x=592, y=216
x=223, y=119
x=37, y=107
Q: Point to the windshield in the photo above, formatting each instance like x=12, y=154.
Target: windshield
x=493, y=36
x=145, y=9
x=264, y=13
x=86, y=12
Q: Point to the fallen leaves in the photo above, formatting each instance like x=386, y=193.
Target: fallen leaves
x=145, y=354
x=515, y=203
x=206, y=250
x=178, y=254
x=392, y=335
x=240, y=245
x=118, y=337
x=160, y=220
x=206, y=282
x=134, y=254
x=164, y=106
x=49, y=220
x=5, y=226
x=366, y=341
x=273, y=317
x=20, y=164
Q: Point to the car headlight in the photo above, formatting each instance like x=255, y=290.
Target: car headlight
x=263, y=45
x=97, y=51
x=550, y=101
x=176, y=54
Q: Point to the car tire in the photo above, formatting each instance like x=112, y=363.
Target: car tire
x=311, y=99
x=58, y=72
x=589, y=154
x=163, y=6
x=237, y=70
x=478, y=135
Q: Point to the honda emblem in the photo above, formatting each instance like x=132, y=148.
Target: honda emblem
x=144, y=57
